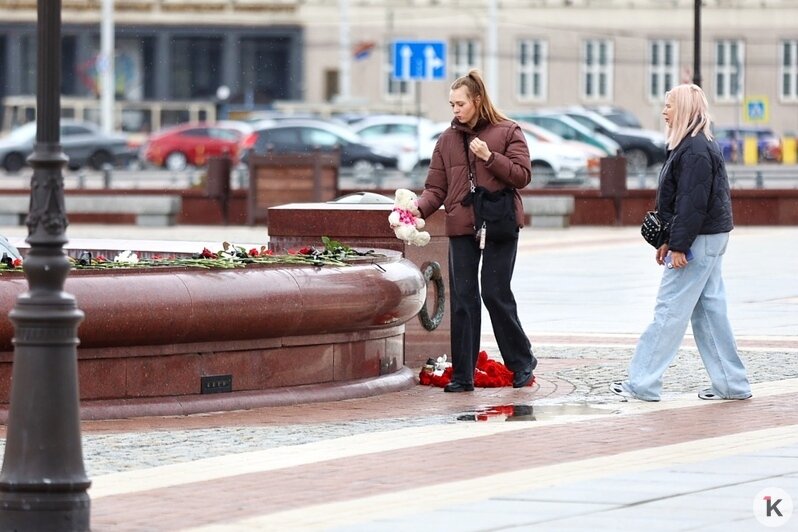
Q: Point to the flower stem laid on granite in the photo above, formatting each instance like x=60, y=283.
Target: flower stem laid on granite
x=334, y=253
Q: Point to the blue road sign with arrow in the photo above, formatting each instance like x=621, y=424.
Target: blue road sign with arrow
x=419, y=60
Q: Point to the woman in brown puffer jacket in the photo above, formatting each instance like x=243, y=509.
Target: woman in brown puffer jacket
x=484, y=143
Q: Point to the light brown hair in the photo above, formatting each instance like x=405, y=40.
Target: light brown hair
x=476, y=88
x=690, y=114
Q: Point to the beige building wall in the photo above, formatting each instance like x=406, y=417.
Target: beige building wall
x=629, y=25
x=563, y=24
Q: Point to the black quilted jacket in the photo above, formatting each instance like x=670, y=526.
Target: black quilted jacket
x=693, y=192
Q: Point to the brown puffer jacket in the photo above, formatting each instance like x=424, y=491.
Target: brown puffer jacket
x=447, y=180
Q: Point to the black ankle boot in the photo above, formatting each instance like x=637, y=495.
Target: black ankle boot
x=522, y=378
x=456, y=387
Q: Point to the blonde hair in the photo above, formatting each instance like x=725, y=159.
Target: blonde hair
x=476, y=88
x=690, y=114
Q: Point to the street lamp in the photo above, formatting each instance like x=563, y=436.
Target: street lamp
x=43, y=483
x=697, y=42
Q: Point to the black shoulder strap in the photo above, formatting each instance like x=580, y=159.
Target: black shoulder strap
x=472, y=177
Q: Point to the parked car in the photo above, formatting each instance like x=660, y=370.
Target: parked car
x=305, y=136
x=542, y=134
x=570, y=129
x=398, y=134
x=177, y=147
x=551, y=162
x=83, y=142
x=730, y=140
x=619, y=115
x=642, y=148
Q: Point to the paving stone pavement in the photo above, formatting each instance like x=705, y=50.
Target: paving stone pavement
x=574, y=457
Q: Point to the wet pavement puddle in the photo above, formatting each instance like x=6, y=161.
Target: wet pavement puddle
x=528, y=412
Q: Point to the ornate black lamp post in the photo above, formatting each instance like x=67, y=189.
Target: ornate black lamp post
x=43, y=482
x=697, y=42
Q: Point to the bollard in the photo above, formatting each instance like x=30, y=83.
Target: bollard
x=789, y=150
x=612, y=182
x=760, y=180
x=107, y=169
x=81, y=179
x=750, y=151
x=217, y=182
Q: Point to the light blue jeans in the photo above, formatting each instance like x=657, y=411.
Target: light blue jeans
x=695, y=293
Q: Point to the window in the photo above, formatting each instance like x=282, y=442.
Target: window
x=597, y=70
x=532, y=68
x=27, y=63
x=729, y=70
x=465, y=56
x=403, y=129
x=225, y=134
x=197, y=72
x=283, y=138
x=73, y=131
x=663, y=68
x=318, y=137
x=265, y=68
x=196, y=132
x=788, y=82
x=373, y=131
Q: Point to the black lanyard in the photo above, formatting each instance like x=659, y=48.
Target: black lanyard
x=472, y=173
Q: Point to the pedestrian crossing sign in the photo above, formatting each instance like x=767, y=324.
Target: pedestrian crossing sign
x=756, y=109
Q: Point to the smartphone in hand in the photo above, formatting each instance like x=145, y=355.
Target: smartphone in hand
x=668, y=259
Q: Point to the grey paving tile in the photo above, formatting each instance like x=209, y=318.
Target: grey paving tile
x=492, y=514
x=623, y=522
x=789, y=450
x=585, y=494
x=743, y=525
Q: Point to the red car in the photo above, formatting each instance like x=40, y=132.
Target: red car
x=177, y=147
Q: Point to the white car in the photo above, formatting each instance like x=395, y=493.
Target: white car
x=593, y=154
x=402, y=135
x=552, y=162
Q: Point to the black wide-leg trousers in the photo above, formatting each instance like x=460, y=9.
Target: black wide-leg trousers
x=498, y=263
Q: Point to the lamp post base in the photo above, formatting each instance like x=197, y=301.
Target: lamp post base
x=24, y=511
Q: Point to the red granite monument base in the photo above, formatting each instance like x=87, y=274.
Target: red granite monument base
x=183, y=340
x=365, y=225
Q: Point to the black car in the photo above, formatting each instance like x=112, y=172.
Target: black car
x=642, y=148
x=308, y=136
x=619, y=115
x=83, y=142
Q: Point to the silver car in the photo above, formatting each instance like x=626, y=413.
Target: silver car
x=83, y=142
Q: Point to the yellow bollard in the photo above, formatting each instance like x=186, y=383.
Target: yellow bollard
x=789, y=150
x=750, y=151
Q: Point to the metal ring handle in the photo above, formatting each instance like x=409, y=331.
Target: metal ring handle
x=432, y=272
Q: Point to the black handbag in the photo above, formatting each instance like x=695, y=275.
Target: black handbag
x=654, y=229
x=494, y=212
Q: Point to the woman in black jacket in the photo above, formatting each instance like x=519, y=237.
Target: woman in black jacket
x=693, y=196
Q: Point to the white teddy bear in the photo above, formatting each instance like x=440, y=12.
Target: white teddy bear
x=405, y=219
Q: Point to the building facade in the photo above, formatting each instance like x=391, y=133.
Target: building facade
x=288, y=53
